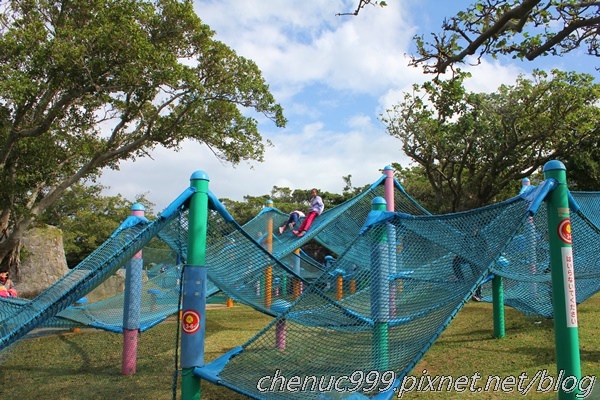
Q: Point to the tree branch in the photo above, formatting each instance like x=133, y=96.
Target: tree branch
x=515, y=13
x=562, y=35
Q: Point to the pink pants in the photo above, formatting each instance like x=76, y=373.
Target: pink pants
x=307, y=221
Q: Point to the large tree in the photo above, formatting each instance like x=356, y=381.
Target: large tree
x=524, y=29
x=474, y=147
x=87, y=84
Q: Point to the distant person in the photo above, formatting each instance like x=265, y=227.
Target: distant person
x=292, y=221
x=476, y=245
x=316, y=208
x=457, y=264
x=7, y=289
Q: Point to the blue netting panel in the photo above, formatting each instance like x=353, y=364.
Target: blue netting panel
x=159, y=293
x=175, y=235
x=159, y=299
x=236, y=268
x=403, y=280
x=343, y=226
x=246, y=271
x=97, y=267
x=337, y=227
x=269, y=219
x=525, y=264
x=589, y=203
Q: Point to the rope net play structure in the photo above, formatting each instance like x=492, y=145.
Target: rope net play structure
x=398, y=281
x=409, y=286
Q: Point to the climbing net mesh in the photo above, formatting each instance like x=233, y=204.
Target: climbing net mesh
x=398, y=285
x=398, y=280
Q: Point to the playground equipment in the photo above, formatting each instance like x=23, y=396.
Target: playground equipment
x=385, y=322
x=378, y=331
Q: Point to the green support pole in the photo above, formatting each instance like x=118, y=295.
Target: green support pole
x=498, y=306
x=194, y=279
x=568, y=361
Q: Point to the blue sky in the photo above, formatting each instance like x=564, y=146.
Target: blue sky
x=334, y=76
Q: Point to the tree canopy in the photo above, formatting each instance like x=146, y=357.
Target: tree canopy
x=524, y=29
x=471, y=147
x=87, y=84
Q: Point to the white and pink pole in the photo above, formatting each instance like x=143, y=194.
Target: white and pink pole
x=388, y=185
x=132, y=304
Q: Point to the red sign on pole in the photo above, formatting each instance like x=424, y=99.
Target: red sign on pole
x=190, y=321
x=564, y=231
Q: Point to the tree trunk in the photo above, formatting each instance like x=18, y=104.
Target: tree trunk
x=12, y=262
x=10, y=247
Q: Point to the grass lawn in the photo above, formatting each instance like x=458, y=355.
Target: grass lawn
x=87, y=365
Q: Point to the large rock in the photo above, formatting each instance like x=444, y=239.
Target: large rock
x=43, y=261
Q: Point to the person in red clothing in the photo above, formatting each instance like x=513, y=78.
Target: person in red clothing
x=7, y=289
x=316, y=208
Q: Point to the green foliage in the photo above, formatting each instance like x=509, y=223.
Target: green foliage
x=583, y=168
x=87, y=84
x=474, y=149
x=87, y=218
x=519, y=29
x=415, y=183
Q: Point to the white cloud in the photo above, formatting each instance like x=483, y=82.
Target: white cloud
x=334, y=76
x=488, y=76
x=302, y=42
x=311, y=158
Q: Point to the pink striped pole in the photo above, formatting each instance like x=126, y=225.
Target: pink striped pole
x=389, y=188
x=132, y=304
x=389, y=199
x=280, y=334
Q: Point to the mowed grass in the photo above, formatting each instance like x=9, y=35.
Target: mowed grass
x=87, y=365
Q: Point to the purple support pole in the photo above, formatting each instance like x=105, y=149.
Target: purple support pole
x=281, y=325
x=280, y=334
x=132, y=304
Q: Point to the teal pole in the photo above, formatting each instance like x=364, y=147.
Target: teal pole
x=284, y=286
x=380, y=293
x=498, y=307
x=193, y=315
x=498, y=288
x=568, y=361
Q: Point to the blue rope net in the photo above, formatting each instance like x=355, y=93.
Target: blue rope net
x=96, y=268
x=159, y=293
x=525, y=265
x=398, y=281
x=404, y=278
